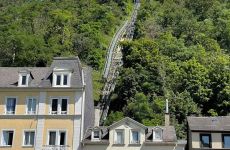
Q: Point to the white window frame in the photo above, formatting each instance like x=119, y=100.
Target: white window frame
x=93, y=138
x=59, y=112
x=154, y=134
x=3, y=137
x=15, y=104
x=58, y=131
x=115, y=136
x=27, y=102
x=20, y=79
x=131, y=136
x=23, y=134
x=61, y=72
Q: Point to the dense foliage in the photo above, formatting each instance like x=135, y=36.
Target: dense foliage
x=180, y=53
x=32, y=32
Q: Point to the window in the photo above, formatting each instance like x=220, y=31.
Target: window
x=62, y=138
x=96, y=135
x=31, y=106
x=59, y=106
x=226, y=140
x=57, y=138
x=58, y=81
x=54, y=106
x=205, y=140
x=10, y=105
x=24, y=80
x=65, y=80
x=7, y=138
x=119, y=139
x=64, y=106
x=135, y=137
x=29, y=138
x=157, y=134
x=52, y=138
x=61, y=79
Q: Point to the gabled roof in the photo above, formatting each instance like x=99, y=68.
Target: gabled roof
x=169, y=133
x=125, y=121
x=104, y=135
x=221, y=123
x=42, y=76
x=9, y=75
x=157, y=127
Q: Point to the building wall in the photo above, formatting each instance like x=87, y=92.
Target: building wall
x=127, y=138
x=21, y=100
x=216, y=139
x=18, y=125
x=58, y=94
x=21, y=121
x=141, y=147
x=195, y=140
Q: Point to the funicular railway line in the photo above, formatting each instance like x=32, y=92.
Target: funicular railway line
x=114, y=61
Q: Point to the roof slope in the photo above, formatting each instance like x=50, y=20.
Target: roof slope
x=9, y=75
x=221, y=123
x=169, y=133
x=42, y=76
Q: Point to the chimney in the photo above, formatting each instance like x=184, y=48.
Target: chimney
x=97, y=116
x=167, y=122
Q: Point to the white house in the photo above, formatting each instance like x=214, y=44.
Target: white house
x=128, y=134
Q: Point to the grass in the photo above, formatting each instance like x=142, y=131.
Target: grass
x=97, y=85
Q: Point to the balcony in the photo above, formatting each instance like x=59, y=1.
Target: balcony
x=135, y=142
x=55, y=147
x=10, y=112
x=118, y=142
x=58, y=112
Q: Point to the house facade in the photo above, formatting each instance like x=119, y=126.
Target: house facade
x=128, y=134
x=208, y=133
x=44, y=108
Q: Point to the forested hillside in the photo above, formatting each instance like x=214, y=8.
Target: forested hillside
x=181, y=52
x=32, y=32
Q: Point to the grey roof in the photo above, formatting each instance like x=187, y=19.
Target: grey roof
x=169, y=134
x=89, y=103
x=9, y=75
x=221, y=123
x=104, y=135
x=42, y=76
x=127, y=119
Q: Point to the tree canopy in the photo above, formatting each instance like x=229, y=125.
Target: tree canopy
x=180, y=53
x=33, y=32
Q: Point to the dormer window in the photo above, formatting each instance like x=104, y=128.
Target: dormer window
x=24, y=80
x=24, y=77
x=157, y=134
x=96, y=135
x=135, y=137
x=61, y=78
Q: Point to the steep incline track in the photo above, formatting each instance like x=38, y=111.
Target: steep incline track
x=114, y=61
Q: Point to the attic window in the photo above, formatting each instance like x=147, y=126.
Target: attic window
x=61, y=78
x=157, y=134
x=96, y=135
x=23, y=79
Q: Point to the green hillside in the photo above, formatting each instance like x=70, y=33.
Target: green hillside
x=180, y=53
x=32, y=32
